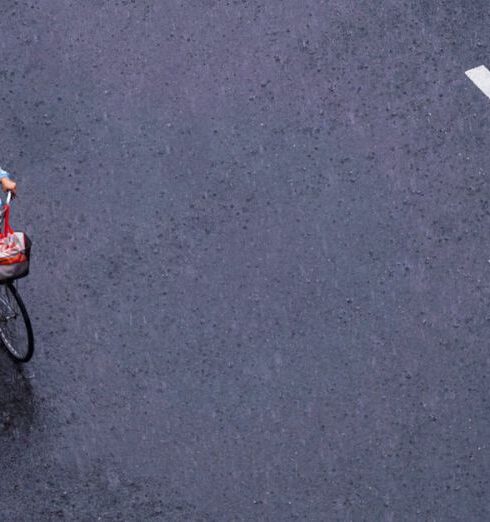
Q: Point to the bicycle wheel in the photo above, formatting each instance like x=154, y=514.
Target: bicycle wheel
x=15, y=325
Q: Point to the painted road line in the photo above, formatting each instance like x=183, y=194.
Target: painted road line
x=480, y=76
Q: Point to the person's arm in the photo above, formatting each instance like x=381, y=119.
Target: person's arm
x=7, y=183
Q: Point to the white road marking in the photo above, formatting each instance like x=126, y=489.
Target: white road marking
x=480, y=76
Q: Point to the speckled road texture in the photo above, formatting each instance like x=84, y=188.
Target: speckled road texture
x=260, y=274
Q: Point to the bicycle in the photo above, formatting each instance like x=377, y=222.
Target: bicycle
x=15, y=326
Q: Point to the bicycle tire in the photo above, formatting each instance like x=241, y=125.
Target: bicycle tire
x=10, y=305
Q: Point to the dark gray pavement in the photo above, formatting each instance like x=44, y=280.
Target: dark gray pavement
x=260, y=275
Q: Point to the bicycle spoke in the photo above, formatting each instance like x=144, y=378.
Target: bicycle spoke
x=14, y=332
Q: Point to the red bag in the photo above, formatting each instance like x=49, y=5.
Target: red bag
x=15, y=251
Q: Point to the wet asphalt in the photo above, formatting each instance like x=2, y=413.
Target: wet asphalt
x=260, y=273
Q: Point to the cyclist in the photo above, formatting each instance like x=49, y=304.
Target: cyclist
x=7, y=182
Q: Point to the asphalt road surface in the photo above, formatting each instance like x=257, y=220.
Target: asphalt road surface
x=260, y=274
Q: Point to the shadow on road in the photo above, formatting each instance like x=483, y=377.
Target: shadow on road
x=17, y=405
